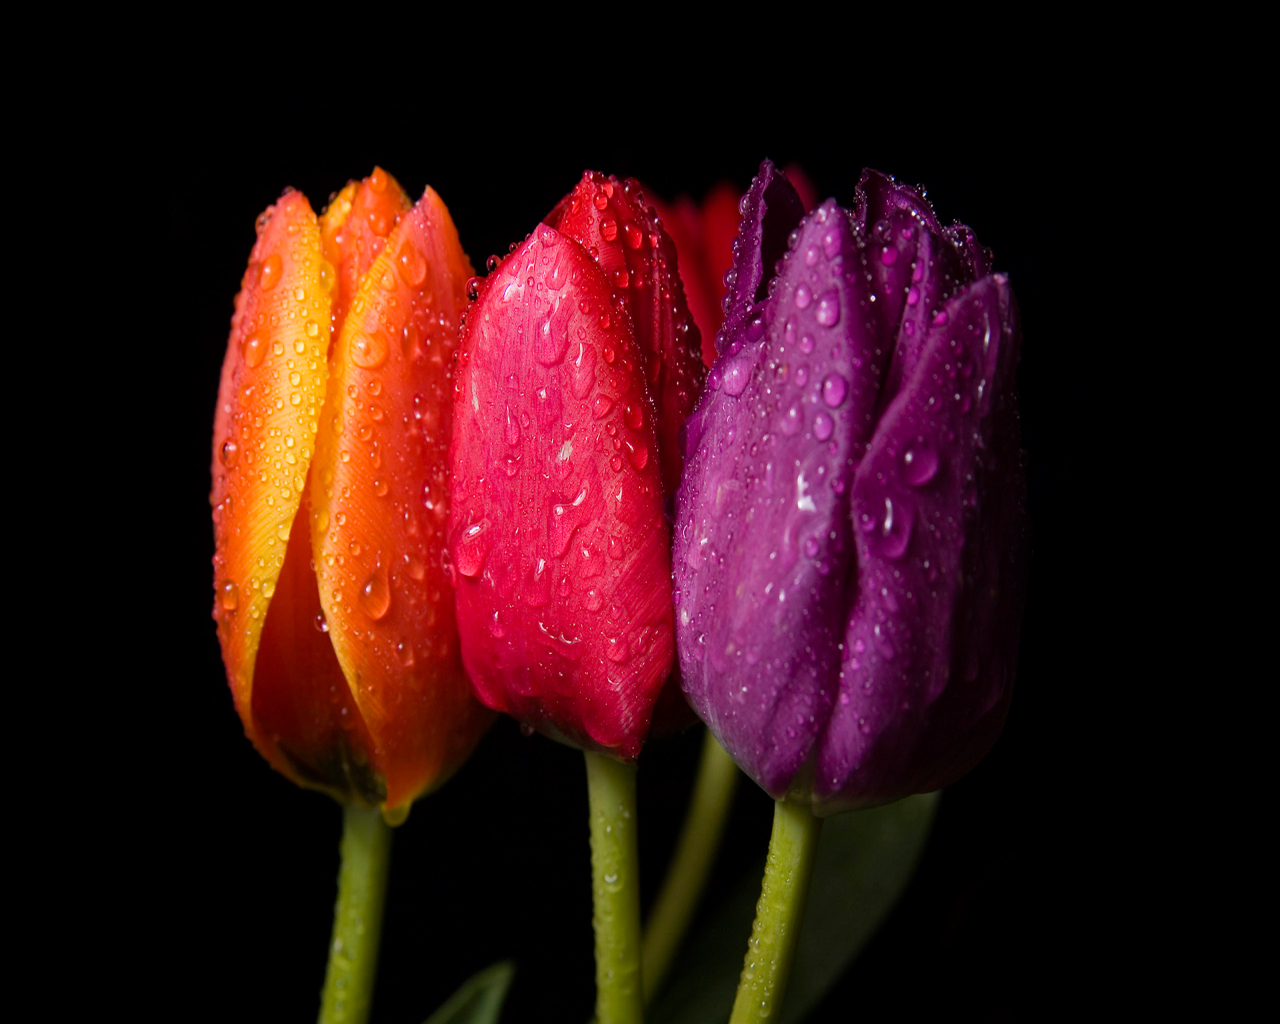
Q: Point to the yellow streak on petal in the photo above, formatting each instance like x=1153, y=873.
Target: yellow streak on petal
x=269, y=402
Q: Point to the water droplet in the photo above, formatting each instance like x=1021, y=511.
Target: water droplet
x=736, y=376
x=414, y=567
x=834, y=389
x=632, y=233
x=229, y=453
x=913, y=296
x=321, y=623
x=806, y=343
x=640, y=456
x=791, y=422
x=375, y=595
x=404, y=652
x=940, y=318
x=608, y=228
x=328, y=276
x=254, y=349
x=919, y=463
x=473, y=548
x=269, y=276
x=551, y=343
x=229, y=596
x=617, y=651
x=891, y=531
x=829, y=308
x=822, y=426
x=368, y=351
x=512, y=429
x=412, y=265
x=803, y=297
x=473, y=289
x=811, y=547
x=633, y=415
x=890, y=256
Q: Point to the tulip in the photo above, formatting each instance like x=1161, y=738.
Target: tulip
x=577, y=367
x=329, y=495
x=848, y=560
x=329, y=492
x=849, y=537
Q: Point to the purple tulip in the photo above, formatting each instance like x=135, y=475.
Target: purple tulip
x=850, y=540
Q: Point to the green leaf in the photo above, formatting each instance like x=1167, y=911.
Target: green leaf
x=479, y=1000
x=865, y=861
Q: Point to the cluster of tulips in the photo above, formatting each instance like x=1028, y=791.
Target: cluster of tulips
x=555, y=493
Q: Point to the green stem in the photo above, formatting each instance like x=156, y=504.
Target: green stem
x=357, y=917
x=615, y=888
x=779, y=914
x=687, y=875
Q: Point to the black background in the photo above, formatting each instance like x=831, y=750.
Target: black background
x=231, y=869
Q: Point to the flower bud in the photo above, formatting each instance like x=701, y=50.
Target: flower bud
x=849, y=554
x=330, y=498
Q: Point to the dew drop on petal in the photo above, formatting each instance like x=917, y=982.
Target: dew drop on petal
x=919, y=463
x=375, y=595
x=269, y=276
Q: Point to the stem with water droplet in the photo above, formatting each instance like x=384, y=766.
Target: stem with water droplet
x=687, y=874
x=615, y=887
x=779, y=914
x=357, y=917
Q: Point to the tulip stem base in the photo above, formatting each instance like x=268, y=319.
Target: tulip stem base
x=357, y=917
x=691, y=865
x=779, y=914
x=615, y=889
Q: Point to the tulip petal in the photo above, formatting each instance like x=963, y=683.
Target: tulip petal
x=557, y=536
x=932, y=638
x=781, y=428
x=770, y=210
x=615, y=222
x=273, y=383
x=354, y=230
x=380, y=496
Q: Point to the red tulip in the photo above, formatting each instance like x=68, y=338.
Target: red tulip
x=578, y=364
x=336, y=623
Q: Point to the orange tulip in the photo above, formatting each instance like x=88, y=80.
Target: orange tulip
x=330, y=499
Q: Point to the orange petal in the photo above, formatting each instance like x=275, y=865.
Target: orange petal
x=304, y=716
x=354, y=230
x=380, y=499
x=269, y=401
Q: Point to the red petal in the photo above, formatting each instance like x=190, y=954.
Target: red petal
x=619, y=227
x=559, y=545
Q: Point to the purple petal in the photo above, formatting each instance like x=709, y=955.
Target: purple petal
x=763, y=540
x=937, y=511
x=770, y=210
